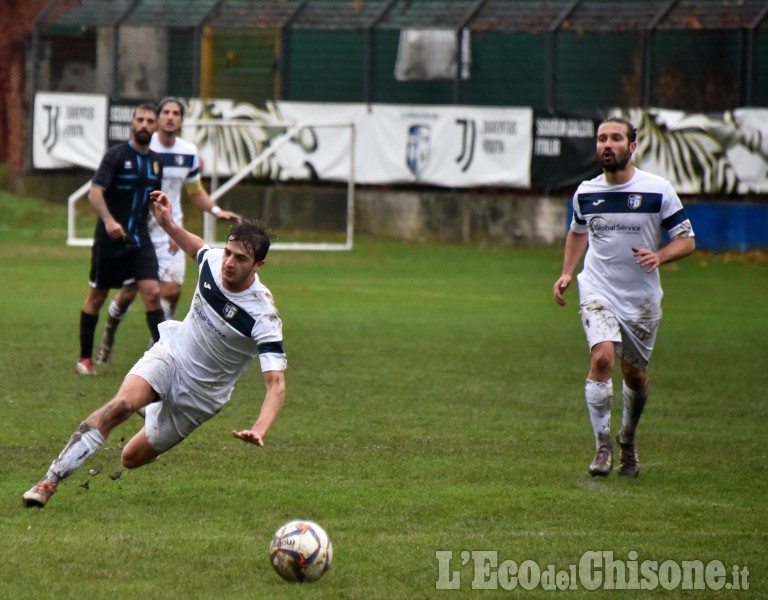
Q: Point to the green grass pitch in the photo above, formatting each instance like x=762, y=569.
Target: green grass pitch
x=434, y=405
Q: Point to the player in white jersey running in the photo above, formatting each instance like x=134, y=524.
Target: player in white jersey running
x=618, y=220
x=181, y=168
x=185, y=378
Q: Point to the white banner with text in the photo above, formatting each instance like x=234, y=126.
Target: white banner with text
x=445, y=146
x=449, y=146
x=69, y=130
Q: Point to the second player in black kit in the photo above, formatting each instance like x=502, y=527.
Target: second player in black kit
x=122, y=250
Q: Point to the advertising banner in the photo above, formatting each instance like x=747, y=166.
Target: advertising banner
x=69, y=130
x=563, y=151
x=120, y=117
x=449, y=146
x=445, y=146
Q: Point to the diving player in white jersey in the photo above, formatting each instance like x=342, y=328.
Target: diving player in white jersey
x=181, y=168
x=185, y=378
x=618, y=220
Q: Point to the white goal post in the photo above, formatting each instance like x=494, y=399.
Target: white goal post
x=209, y=221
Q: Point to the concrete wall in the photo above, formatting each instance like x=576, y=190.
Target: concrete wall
x=462, y=217
x=465, y=217
x=427, y=215
x=493, y=218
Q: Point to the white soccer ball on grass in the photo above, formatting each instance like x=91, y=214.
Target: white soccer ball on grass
x=301, y=551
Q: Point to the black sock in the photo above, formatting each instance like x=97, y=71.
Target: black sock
x=87, y=332
x=154, y=318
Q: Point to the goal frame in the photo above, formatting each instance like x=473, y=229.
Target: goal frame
x=209, y=221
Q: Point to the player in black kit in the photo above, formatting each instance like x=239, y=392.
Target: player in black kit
x=122, y=250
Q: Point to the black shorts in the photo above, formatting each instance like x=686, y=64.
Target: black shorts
x=113, y=265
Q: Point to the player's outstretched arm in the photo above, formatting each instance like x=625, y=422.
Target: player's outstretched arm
x=201, y=199
x=273, y=403
x=188, y=242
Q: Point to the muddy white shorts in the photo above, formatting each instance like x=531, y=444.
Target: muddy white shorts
x=180, y=408
x=634, y=340
x=170, y=266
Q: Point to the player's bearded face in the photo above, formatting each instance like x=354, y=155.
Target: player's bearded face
x=143, y=125
x=143, y=136
x=614, y=150
x=613, y=159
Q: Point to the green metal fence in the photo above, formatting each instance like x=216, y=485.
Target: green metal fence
x=555, y=55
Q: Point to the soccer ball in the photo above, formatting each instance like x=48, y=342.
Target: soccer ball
x=301, y=551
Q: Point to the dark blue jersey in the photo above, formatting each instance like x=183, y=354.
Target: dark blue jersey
x=127, y=176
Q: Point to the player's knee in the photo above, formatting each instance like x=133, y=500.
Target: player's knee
x=128, y=460
x=152, y=300
x=602, y=362
x=125, y=298
x=95, y=300
x=637, y=381
x=150, y=294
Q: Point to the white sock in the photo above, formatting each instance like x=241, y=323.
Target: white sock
x=115, y=312
x=83, y=444
x=634, y=403
x=169, y=309
x=599, y=395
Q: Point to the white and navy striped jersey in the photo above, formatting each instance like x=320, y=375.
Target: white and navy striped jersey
x=181, y=167
x=619, y=218
x=223, y=332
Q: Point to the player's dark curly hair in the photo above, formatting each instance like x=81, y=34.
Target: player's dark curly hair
x=168, y=100
x=254, y=235
x=631, y=131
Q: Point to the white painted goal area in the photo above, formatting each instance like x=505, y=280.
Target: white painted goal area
x=250, y=156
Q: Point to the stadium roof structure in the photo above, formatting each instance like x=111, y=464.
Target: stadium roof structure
x=715, y=14
x=533, y=16
x=437, y=14
x=144, y=13
x=162, y=13
x=618, y=15
x=260, y=14
x=93, y=13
